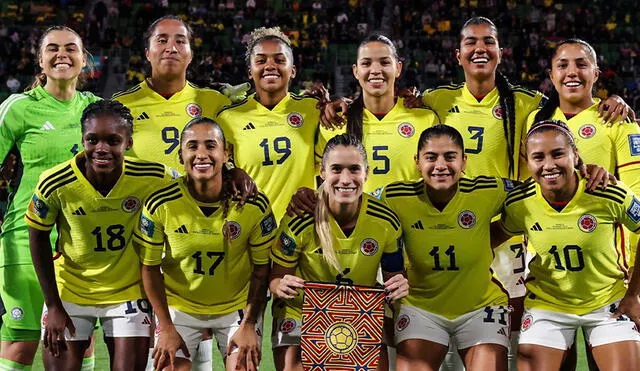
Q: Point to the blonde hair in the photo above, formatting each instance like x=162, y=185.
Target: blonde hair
x=321, y=212
x=263, y=33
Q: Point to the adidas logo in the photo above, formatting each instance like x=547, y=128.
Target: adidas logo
x=48, y=126
x=143, y=116
x=146, y=321
x=249, y=126
x=454, y=109
x=417, y=225
x=79, y=211
x=182, y=229
x=502, y=331
x=520, y=281
x=536, y=227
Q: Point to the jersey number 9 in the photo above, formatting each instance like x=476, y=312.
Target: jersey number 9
x=171, y=136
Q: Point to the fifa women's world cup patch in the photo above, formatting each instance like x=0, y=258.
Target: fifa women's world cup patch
x=147, y=226
x=38, y=207
x=634, y=210
x=341, y=327
x=634, y=144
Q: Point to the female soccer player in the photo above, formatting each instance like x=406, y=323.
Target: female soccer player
x=272, y=132
x=214, y=257
x=94, y=200
x=576, y=279
x=446, y=219
x=377, y=117
x=344, y=219
x=43, y=124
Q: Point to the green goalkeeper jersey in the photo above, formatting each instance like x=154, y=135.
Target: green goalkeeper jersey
x=46, y=132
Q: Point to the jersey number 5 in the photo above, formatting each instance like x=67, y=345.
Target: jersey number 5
x=378, y=156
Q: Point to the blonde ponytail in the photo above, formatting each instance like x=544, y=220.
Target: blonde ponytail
x=323, y=230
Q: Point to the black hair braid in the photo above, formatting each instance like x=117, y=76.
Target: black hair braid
x=226, y=194
x=354, y=118
x=549, y=107
x=507, y=103
x=108, y=107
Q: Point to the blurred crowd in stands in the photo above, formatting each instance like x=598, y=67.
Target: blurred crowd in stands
x=325, y=35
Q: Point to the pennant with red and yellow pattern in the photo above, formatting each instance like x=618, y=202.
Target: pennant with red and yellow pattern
x=341, y=327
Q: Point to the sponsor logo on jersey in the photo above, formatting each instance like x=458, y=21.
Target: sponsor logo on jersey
x=502, y=331
x=250, y=126
x=79, y=211
x=406, y=130
x=454, y=109
x=587, y=131
x=402, y=322
x=130, y=204
x=467, y=219
x=634, y=144
x=182, y=229
x=287, y=244
x=147, y=226
x=194, y=110
x=521, y=281
x=143, y=116
x=268, y=224
x=39, y=207
x=295, y=120
x=17, y=313
x=287, y=325
x=232, y=230
x=47, y=126
x=497, y=112
x=634, y=210
x=369, y=246
x=536, y=227
x=146, y=321
x=417, y=225
x=526, y=322
x=587, y=223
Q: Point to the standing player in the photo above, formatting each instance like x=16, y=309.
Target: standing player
x=344, y=222
x=272, y=133
x=575, y=279
x=94, y=200
x=386, y=127
x=43, y=124
x=165, y=101
x=214, y=257
x=452, y=214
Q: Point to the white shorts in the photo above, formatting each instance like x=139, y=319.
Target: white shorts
x=127, y=319
x=489, y=325
x=511, y=266
x=191, y=327
x=286, y=332
x=557, y=330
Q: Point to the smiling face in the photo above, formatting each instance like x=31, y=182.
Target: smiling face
x=271, y=67
x=61, y=55
x=479, y=53
x=377, y=69
x=551, y=161
x=441, y=162
x=169, y=50
x=202, y=151
x=573, y=73
x=344, y=172
x=105, y=140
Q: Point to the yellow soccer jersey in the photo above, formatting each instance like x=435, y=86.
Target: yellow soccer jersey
x=449, y=252
x=158, y=121
x=577, y=267
x=377, y=231
x=391, y=143
x=205, y=272
x=275, y=147
x=480, y=124
x=97, y=264
x=614, y=147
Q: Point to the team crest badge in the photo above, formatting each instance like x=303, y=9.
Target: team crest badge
x=497, y=112
x=467, y=219
x=17, y=313
x=232, y=230
x=526, y=322
x=402, y=322
x=406, y=130
x=130, y=204
x=587, y=131
x=587, y=223
x=194, y=110
x=295, y=120
x=369, y=246
x=287, y=325
x=341, y=338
